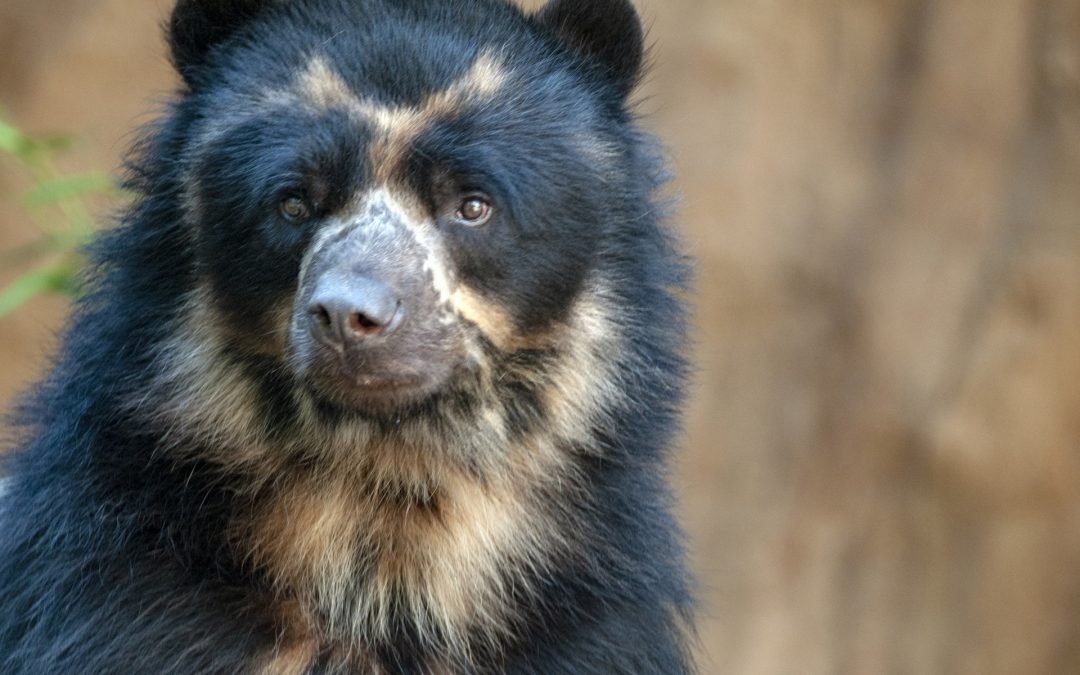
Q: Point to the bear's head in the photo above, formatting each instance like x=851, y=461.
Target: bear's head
x=390, y=199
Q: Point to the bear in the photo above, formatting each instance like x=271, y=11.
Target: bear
x=381, y=369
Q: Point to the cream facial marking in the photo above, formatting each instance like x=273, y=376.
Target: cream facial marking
x=323, y=88
x=383, y=209
x=397, y=126
x=381, y=212
x=206, y=396
x=375, y=213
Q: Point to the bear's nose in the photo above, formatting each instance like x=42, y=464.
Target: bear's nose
x=346, y=311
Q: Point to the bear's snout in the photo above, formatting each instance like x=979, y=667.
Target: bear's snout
x=348, y=312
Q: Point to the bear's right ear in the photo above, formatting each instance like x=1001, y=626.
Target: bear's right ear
x=607, y=32
x=196, y=26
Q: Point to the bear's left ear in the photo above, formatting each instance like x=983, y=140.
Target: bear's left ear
x=196, y=26
x=606, y=31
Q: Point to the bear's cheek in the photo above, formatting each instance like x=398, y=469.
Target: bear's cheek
x=249, y=267
x=519, y=281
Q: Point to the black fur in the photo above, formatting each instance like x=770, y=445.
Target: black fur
x=117, y=547
x=198, y=26
x=608, y=32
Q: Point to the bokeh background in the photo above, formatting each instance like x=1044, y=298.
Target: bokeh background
x=881, y=463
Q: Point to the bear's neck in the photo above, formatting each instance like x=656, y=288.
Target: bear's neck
x=361, y=563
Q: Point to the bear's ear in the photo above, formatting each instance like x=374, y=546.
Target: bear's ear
x=196, y=26
x=606, y=31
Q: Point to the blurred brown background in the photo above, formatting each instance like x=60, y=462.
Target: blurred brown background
x=882, y=454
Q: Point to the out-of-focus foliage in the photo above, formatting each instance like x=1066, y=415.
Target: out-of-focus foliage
x=57, y=204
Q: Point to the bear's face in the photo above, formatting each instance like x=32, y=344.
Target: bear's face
x=385, y=198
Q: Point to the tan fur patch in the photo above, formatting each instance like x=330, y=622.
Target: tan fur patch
x=322, y=88
x=310, y=532
x=395, y=128
x=196, y=391
x=292, y=659
x=484, y=80
x=451, y=561
x=586, y=382
x=492, y=320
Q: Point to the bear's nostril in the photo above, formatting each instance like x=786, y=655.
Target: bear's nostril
x=321, y=315
x=362, y=324
x=345, y=312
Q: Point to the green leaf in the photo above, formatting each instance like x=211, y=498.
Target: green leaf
x=33, y=150
x=64, y=188
x=13, y=141
x=54, y=277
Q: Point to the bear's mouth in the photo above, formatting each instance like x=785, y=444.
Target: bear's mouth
x=373, y=394
x=374, y=380
x=381, y=374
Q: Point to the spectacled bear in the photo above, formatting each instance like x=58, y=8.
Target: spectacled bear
x=379, y=371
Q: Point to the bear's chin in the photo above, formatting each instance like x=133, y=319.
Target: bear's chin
x=375, y=396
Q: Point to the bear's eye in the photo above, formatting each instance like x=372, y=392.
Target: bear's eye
x=294, y=209
x=475, y=210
